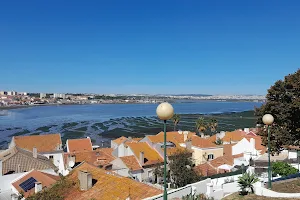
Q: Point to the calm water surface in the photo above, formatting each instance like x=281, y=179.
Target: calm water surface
x=46, y=115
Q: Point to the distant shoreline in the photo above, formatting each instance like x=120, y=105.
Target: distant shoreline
x=68, y=104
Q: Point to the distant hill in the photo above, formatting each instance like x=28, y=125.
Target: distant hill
x=194, y=95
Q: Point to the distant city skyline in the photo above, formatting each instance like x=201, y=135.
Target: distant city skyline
x=158, y=47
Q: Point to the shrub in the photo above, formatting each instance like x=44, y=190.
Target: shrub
x=246, y=182
x=283, y=169
x=197, y=197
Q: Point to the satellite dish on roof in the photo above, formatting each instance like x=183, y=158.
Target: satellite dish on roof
x=71, y=163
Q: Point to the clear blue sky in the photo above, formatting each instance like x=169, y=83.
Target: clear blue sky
x=212, y=47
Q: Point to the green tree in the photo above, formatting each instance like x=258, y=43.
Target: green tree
x=246, y=182
x=283, y=102
x=181, y=169
x=158, y=171
x=283, y=169
x=213, y=124
x=176, y=120
x=201, y=125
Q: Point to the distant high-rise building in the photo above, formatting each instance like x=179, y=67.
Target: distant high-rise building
x=57, y=95
x=3, y=93
x=42, y=95
x=12, y=93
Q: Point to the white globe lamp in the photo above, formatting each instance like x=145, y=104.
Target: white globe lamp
x=165, y=111
x=268, y=119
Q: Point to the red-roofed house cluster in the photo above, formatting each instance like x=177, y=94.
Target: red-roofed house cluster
x=32, y=163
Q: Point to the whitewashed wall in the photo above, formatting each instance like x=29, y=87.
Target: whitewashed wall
x=58, y=161
x=199, y=187
x=5, y=181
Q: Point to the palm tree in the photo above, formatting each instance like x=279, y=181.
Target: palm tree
x=246, y=182
x=213, y=125
x=201, y=125
x=176, y=120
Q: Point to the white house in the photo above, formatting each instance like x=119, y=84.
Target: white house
x=249, y=146
x=49, y=145
x=128, y=166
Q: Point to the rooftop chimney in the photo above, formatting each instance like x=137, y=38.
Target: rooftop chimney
x=202, y=135
x=142, y=158
x=38, y=187
x=34, y=152
x=188, y=144
x=85, y=180
x=185, y=135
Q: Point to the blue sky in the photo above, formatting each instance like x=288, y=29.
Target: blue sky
x=212, y=47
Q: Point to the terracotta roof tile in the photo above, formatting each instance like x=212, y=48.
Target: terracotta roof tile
x=234, y=136
x=203, y=143
x=136, y=139
x=19, y=160
x=228, y=160
x=76, y=145
x=108, y=186
x=100, y=156
x=43, y=143
x=131, y=162
x=46, y=179
x=151, y=155
x=174, y=137
x=227, y=149
x=120, y=140
x=205, y=169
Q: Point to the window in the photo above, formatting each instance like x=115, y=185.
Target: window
x=210, y=156
x=51, y=158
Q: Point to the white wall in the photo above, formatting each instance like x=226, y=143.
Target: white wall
x=243, y=146
x=137, y=174
x=120, y=168
x=231, y=187
x=221, y=181
x=292, y=154
x=199, y=187
x=113, y=144
x=5, y=181
x=240, y=161
x=58, y=161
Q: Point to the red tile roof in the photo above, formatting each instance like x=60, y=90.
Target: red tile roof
x=203, y=142
x=108, y=186
x=76, y=145
x=131, y=162
x=98, y=157
x=46, y=179
x=173, y=136
x=120, y=140
x=228, y=160
x=234, y=136
x=151, y=156
x=43, y=143
x=205, y=169
x=227, y=149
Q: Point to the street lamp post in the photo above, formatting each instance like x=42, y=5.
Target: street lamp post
x=164, y=112
x=268, y=119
